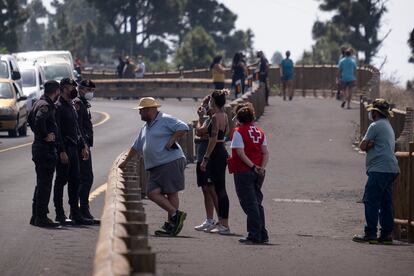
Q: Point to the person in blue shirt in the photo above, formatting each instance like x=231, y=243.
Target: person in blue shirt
x=164, y=159
x=286, y=73
x=347, y=74
x=382, y=169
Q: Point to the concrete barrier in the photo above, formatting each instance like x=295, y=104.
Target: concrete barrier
x=122, y=247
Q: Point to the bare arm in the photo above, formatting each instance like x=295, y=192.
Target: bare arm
x=131, y=153
x=177, y=135
x=366, y=145
x=212, y=141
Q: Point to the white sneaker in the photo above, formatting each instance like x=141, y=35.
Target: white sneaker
x=205, y=225
x=211, y=228
x=221, y=229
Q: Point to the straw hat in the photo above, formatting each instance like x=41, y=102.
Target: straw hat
x=147, y=102
x=382, y=106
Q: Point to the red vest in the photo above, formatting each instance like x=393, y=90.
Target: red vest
x=253, y=138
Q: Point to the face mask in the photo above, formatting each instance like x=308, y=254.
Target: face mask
x=89, y=96
x=370, y=116
x=73, y=93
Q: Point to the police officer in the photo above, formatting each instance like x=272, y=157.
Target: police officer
x=69, y=142
x=82, y=105
x=43, y=123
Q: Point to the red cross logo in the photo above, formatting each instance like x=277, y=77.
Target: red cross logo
x=255, y=134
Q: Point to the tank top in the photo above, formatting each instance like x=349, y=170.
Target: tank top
x=221, y=133
x=217, y=76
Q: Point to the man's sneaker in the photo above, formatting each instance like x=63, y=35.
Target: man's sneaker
x=206, y=224
x=385, y=240
x=166, y=226
x=177, y=222
x=365, y=239
x=221, y=229
x=63, y=220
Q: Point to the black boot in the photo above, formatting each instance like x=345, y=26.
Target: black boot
x=85, y=212
x=61, y=217
x=77, y=218
x=45, y=222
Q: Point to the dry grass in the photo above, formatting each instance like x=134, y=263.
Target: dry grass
x=401, y=98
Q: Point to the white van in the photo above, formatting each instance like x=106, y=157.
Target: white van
x=9, y=69
x=45, y=56
x=33, y=79
x=57, y=69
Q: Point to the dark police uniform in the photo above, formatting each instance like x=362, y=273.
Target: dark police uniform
x=43, y=155
x=86, y=174
x=69, y=140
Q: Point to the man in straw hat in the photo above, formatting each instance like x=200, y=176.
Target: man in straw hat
x=164, y=159
x=382, y=169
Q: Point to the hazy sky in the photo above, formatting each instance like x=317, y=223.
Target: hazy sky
x=286, y=24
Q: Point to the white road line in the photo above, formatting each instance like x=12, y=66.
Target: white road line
x=106, y=118
x=296, y=200
x=97, y=191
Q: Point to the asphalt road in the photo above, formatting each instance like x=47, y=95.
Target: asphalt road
x=28, y=250
x=314, y=181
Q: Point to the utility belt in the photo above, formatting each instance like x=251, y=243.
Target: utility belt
x=70, y=142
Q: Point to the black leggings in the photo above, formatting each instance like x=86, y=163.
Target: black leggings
x=217, y=173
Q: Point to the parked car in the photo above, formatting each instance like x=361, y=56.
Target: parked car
x=13, y=110
x=33, y=78
x=49, y=57
x=9, y=69
x=56, y=70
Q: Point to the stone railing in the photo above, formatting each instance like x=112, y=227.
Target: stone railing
x=122, y=247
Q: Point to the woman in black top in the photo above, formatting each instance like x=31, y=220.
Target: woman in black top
x=239, y=71
x=215, y=159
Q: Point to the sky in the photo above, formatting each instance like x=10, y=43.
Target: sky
x=281, y=25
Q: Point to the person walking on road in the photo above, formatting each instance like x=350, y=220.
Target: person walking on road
x=82, y=105
x=164, y=159
x=215, y=159
x=382, y=169
x=201, y=142
x=248, y=161
x=347, y=74
x=217, y=71
x=263, y=72
x=69, y=142
x=42, y=121
x=286, y=72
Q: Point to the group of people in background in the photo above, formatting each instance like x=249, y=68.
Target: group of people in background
x=240, y=73
x=128, y=69
x=63, y=136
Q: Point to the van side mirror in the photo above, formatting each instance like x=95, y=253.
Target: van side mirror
x=16, y=75
x=22, y=98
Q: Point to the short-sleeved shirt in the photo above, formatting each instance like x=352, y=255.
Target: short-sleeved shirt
x=287, y=68
x=347, y=67
x=381, y=158
x=237, y=141
x=153, y=137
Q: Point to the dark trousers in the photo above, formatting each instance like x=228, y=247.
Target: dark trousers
x=378, y=203
x=67, y=173
x=86, y=180
x=44, y=157
x=263, y=79
x=216, y=170
x=248, y=189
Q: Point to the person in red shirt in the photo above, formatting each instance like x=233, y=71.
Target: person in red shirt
x=248, y=161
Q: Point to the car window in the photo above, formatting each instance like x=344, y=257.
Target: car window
x=28, y=77
x=6, y=91
x=56, y=72
x=4, y=72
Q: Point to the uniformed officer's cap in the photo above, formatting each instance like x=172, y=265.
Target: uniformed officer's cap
x=87, y=84
x=67, y=81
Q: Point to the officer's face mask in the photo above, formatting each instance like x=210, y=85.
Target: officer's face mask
x=89, y=95
x=73, y=93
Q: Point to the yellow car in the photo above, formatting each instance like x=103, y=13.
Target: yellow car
x=13, y=111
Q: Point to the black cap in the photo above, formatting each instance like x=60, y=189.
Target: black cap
x=87, y=83
x=67, y=81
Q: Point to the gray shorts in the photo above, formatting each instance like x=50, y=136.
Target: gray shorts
x=169, y=177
